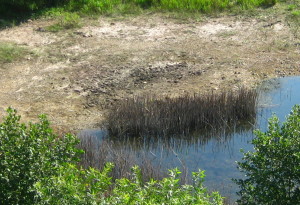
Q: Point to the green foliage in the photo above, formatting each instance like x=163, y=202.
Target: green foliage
x=109, y=6
x=272, y=170
x=29, y=153
x=92, y=6
x=166, y=191
x=74, y=186
x=296, y=13
x=10, y=52
x=249, y=4
x=66, y=20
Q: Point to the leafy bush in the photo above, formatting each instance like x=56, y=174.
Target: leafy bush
x=28, y=154
x=74, y=186
x=272, y=170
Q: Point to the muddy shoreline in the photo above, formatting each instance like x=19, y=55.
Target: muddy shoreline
x=74, y=76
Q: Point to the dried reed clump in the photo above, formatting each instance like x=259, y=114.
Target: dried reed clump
x=147, y=115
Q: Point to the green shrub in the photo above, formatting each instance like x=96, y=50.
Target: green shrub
x=272, y=170
x=75, y=186
x=166, y=191
x=29, y=153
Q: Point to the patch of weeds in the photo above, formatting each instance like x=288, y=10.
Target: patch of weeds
x=10, y=52
x=294, y=21
x=296, y=13
x=291, y=7
x=66, y=20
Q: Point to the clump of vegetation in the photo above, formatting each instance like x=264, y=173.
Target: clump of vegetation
x=10, y=52
x=29, y=154
x=65, y=21
x=38, y=167
x=75, y=186
x=272, y=170
x=142, y=116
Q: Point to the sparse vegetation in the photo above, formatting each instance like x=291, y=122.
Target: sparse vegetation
x=10, y=52
x=294, y=17
x=65, y=21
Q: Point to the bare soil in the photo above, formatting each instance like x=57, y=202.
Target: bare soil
x=75, y=75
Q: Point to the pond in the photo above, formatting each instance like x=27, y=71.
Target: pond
x=217, y=152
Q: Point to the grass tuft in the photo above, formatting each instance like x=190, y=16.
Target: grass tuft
x=10, y=52
x=66, y=20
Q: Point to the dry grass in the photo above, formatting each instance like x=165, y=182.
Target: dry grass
x=148, y=115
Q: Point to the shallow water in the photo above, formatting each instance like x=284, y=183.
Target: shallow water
x=218, y=153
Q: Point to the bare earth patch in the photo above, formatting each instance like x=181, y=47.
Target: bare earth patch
x=76, y=75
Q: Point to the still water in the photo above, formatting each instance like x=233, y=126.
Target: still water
x=217, y=152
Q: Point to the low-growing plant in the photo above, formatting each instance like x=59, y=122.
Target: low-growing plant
x=272, y=169
x=10, y=52
x=66, y=20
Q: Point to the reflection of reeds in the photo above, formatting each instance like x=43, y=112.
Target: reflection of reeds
x=99, y=151
x=141, y=116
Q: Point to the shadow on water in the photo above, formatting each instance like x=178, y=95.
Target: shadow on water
x=215, y=151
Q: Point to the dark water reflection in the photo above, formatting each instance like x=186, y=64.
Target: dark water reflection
x=217, y=151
